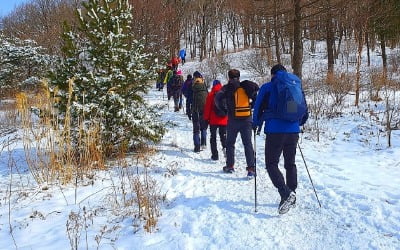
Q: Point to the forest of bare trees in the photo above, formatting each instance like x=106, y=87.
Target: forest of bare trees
x=277, y=31
x=210, y=27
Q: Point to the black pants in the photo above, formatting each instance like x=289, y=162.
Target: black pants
x=213, y=138
x=275, y=144
x=188, y=109
x=199, y=129
x=233, y=128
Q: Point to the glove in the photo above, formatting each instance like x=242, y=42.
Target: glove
x=258, y=130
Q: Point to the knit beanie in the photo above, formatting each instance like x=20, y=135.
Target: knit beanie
x=215, y=82
x=197, y=74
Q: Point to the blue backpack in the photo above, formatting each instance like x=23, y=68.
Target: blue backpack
x=287, y=99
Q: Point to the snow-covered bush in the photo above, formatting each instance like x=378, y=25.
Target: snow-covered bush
x=22, y=64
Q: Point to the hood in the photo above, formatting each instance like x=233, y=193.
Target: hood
x=216, y=88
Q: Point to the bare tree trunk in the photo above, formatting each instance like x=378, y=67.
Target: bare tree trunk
x=330, y=40
x=383, y=50
x=276, y=35
x=388, y=122
x=297, y=40
x=221, y=36
x=358, y=74
x=339, y=42
x=367, y=43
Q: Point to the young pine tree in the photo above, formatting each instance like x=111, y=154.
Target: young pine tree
x=110, y=72
x=22, y=64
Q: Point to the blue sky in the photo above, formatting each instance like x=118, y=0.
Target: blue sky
x=6, y=6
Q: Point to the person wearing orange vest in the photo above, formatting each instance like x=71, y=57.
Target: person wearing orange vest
x=238, y=123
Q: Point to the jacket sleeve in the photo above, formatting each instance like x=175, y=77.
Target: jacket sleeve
x=166, y=78
x=305, y=116
x=259, y=105
x=208, y=107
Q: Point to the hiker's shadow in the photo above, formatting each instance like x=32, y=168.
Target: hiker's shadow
x=218, y=174
x=237, y=207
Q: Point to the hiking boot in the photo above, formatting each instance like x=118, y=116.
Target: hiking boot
x=251, y=172
x=214, y=157
x=196, y=148
x=203, y=146
x=229, y=170
x=286, y=204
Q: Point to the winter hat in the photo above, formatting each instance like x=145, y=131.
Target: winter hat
x=276, y=68
x=233, y=73
x=215, y=82
x=179, y=72
x=197, y=74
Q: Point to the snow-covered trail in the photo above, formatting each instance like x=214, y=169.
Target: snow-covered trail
x=209, y=209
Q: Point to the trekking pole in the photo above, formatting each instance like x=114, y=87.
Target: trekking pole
x=184, y=107
x=255, y=173
x=305, y=164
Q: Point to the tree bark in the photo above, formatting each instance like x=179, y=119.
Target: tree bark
x=330, y=40
x=297, y=40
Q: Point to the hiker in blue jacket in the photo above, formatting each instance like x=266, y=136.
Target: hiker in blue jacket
x=182, y=55
x=281, y=136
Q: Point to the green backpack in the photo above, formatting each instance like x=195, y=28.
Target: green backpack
x=200, y=93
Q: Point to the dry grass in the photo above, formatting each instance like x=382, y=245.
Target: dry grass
x=59, y=153
x=51, y=150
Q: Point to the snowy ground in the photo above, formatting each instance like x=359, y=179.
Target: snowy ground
x=357, y=184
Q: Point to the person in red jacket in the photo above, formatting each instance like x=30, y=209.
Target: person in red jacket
x=175, y=62
x=217, y=118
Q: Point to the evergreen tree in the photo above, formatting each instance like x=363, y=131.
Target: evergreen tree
x=22, y=64
x=110, y=72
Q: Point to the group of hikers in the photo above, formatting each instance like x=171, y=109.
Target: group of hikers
x=241, y=107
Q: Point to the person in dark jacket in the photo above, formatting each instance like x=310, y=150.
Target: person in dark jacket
x=281, y=136
x=199, y=96
x=175, y=88
x=160, y=78
x=188, y=93
x=216, y=122
x=236, y=125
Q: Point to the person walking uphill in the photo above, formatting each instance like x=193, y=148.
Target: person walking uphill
x=175, y=89
x=281, y=105
x=217, y=119
x=237, y=96
x=182, y=55
x=188, y=93
x=200, y=92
